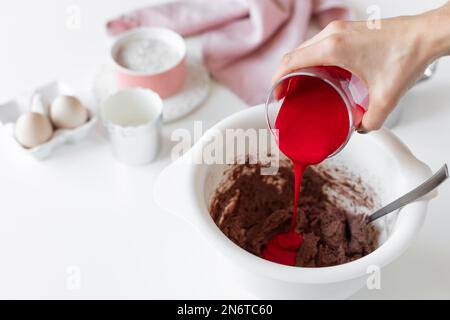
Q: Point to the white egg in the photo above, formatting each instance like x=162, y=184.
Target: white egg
x=33, y=129
x=67, y=112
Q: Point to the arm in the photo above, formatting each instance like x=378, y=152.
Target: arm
x=389, y=60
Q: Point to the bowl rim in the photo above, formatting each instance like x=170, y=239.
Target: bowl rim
x=409, y=221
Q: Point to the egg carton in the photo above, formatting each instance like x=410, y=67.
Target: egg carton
x=39, y=101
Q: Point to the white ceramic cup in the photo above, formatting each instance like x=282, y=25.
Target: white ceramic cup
x=133, y=118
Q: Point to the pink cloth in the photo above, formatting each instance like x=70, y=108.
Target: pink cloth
x=244, y=40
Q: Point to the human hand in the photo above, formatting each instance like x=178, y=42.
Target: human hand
x=389, y=59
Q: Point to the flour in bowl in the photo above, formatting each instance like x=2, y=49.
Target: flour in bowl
x=148, y=55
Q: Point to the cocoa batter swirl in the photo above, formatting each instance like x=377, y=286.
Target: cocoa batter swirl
x=251, y=208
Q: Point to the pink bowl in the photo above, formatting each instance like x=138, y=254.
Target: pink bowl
x=167, y=82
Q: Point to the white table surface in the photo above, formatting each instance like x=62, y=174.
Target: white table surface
x=83, y=213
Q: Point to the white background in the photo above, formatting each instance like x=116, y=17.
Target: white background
x=81, y=211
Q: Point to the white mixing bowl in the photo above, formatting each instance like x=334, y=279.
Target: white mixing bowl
x=380, y=158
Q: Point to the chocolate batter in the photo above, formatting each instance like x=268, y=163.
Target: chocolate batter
x=251, y=208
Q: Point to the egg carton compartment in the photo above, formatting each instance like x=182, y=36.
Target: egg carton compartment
x=39, y=101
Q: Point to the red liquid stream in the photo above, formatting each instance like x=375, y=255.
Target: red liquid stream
x=312, y=124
